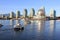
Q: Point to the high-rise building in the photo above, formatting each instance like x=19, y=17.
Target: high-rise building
x=17, y=14
x=25, y=13
x=41, y=13
x=11, y=14
x=53, y=13
x=32, y=12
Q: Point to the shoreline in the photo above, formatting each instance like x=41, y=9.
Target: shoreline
x=25, y=19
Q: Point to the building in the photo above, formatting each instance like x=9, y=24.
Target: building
x=53, y=14
x=2, y=16
x=17, y=14
x=41, y=13
x=32, y=12
x=25, y=13
x=11, y=14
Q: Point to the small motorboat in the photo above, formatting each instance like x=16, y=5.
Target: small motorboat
x=1, y=25
x=18, y=27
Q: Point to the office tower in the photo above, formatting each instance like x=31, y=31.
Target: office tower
x=25, y=13
x=41, y=13
x=32, y=12
x=17, y=14
x=52, y=13
x=11, y=14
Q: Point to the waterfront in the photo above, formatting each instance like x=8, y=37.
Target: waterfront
x=36, y=30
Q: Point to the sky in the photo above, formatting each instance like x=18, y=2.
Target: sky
x=6, y=6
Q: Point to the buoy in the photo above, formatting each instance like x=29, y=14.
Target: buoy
x=18, y=27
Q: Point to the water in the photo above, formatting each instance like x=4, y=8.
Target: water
x=36, y=30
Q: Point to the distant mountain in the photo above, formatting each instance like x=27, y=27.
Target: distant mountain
x=6, y=14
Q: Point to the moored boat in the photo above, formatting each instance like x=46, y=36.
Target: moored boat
x=18, y=27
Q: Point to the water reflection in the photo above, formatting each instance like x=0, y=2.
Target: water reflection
x=41, y=29
x=26, y=22
x=0, y=21
x=52, y=25
x=52, y=28
x=11, y=22
x=17, y=21
x=41, y=25
x=35, y=31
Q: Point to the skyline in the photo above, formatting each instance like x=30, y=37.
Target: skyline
x=6, y=6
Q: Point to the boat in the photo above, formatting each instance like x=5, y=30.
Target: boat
x=18, y=27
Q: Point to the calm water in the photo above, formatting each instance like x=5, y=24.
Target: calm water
x=36, y=30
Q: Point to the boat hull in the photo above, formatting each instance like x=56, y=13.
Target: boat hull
x=17, y=29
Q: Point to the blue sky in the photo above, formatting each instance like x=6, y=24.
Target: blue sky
x=7, y=6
